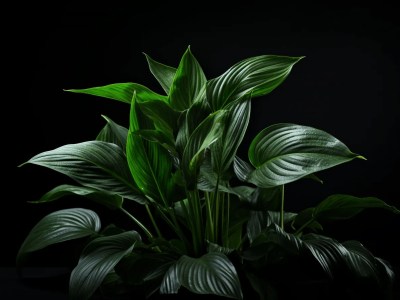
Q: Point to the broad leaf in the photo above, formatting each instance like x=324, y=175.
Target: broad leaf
x=283, y=153
x=95, y=164
x=60, y=226
x=121, y=92
x=97, y=260
x=241, y=168
x=256, y=76
x=113, y=133
x=164, y=74
x=188, y=82
x=212, y=273
x=107, y=199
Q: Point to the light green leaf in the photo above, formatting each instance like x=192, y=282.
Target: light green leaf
x=99, y=165
x=97, y=260
x=60, y=226
x=283, y=153
x=164, y=74
x=113, y=133
x=256, y=76
x=188, y=82
x=121, y=92
x=241, y=168
x=213, y=273
x=107, y=199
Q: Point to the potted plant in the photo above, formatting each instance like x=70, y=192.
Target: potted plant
x=215, y=222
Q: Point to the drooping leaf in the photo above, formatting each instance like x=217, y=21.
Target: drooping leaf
x=95, y=164
x=283, y=153
x=110, y=200
x=188, y=82
x=163, y=73
x=97, y=260
x=60, y=226
x=213, y=273
x=121, y=92
x=256, y=76
x=224, y=150
x=113, y=133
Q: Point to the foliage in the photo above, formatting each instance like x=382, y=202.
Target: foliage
x=216, y=219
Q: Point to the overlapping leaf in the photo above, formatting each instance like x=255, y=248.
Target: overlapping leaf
x=113, y=133
x=164, y=74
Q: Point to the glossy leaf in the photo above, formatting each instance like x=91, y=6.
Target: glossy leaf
x=97, y=260
x=60, y=226
x=107, y=199
x=95, y=164
x=121, y=92
x=163, y=73
x=255, y=75
x=113, y=133
x=188, y=82
x=213, y=273
x=283, y=153
x=241, y=168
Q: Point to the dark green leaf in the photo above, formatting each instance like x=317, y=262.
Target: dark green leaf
x=256, y=76
x=107, y=199
x=188, y=82
x=60, y=226
x=95, y=164
x=164, y=74
x=97, y=260
x=283, y=153
x=242, y=169
x=121, y=92
x=113, y=133
x=212, y=273
x=266, y=199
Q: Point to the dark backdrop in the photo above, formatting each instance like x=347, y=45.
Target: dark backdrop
x=348, y=85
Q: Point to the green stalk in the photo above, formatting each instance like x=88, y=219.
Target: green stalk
x=228, y=206
x=298, y=231
x=282, y=216
x=153, y=221
x=210, y=223
x=146, y=231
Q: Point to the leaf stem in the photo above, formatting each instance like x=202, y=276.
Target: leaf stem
x=282, y=213
x=153, y=221
x=148, y=233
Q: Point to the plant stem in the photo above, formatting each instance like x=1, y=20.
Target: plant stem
x=153, y=221
x=282, y=214
x=298, y=231
x=148, y=233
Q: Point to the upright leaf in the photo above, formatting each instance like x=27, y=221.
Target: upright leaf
x=188, y=82
x=256, y=76
x=163, y=73
x=113, y=133
x=94, y=164
x=97, y=260
x=60, y=226
x=213, y=273
x=284, y=152
x=121, y=92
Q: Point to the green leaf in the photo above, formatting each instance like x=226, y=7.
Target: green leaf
x=95, y=164
x=241, y=168
x=121, y=92
x=283, y=153
x=164, y=74
x=113, y=133
x=266, y=199
x=256, y=76
x=107, y=199
x=60, y=226
x=97, y=260
x=224, y=150
x=188, y=82
x=213, y=273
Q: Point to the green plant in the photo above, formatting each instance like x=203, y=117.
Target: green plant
x=214, y=221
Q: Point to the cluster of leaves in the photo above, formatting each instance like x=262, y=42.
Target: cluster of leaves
x=213, y=215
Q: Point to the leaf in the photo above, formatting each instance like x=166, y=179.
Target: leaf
x=97, y=260
x=213, y=273
x=60, y=226
x=188, y=82
x=266, y=199
x=95, y=164
x=164, y=74
x=283, y=153
x=256, y=76
x=224, y=150
x=109, y=200
x=241, y=168
x=121, y=92
x=113, y=133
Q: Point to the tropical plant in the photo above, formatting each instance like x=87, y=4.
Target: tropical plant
x=214, y=222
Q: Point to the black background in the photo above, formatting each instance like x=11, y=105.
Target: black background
x=348, y=85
